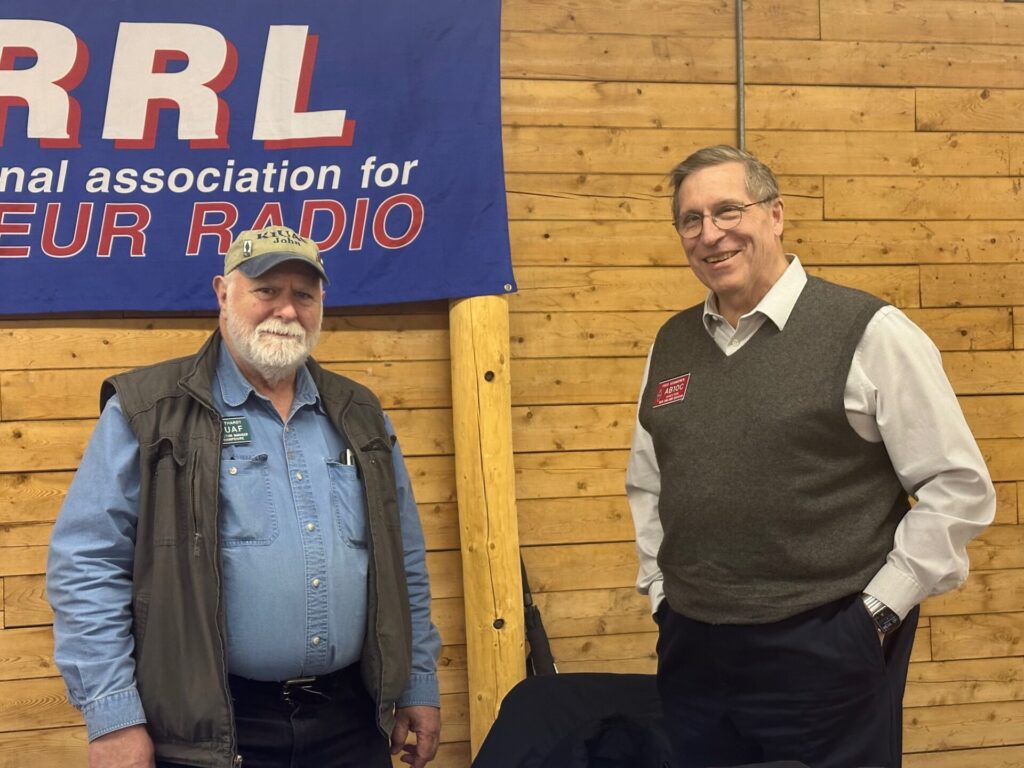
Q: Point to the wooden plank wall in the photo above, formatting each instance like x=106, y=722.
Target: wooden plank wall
x=895, y=130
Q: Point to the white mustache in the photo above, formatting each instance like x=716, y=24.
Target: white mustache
x=281, y=328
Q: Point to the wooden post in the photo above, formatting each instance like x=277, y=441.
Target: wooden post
x=488, y=528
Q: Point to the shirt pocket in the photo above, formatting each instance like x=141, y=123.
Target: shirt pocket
x=348, y=503
x=248, y=517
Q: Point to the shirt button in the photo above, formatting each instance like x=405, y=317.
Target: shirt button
x=298, y=475
x=315, y=582
x=316, y=640
x=310, y=527
x=233, y=471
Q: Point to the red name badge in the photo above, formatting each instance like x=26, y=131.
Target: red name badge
x=671, y=390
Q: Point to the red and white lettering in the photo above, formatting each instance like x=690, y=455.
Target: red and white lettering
x=282, y=120
x=61, y=59
x=201, y=228
x=135, y=230
x=15, y=228
x=83, y=222
x=332, y=208
x=141, y=86
x=269, y=216
x=380, y=233
x=358, y=233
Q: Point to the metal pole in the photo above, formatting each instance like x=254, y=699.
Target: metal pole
x=741, y=127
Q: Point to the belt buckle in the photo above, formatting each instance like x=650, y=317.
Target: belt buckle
x=299, y=684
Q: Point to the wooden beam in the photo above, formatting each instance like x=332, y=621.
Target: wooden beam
x=485, y=482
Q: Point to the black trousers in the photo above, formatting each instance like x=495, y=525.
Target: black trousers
x=817, y=688
x=332, y=724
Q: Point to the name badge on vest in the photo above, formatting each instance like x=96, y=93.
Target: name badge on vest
x=671, y=390
x=236, y=430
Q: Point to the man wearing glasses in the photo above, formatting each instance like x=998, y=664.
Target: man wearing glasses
x=781, y=427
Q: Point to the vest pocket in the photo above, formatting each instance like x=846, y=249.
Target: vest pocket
x=348, y=503
x=169, y=494
x=248, y=517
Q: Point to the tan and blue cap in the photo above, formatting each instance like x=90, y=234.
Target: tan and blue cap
x=257, y=250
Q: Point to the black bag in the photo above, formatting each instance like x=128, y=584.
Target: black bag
x=578, y=720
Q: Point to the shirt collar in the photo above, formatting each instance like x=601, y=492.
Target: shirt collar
x=235, y=388
x=777, y=305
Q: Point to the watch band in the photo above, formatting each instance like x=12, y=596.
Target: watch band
x=885, y=618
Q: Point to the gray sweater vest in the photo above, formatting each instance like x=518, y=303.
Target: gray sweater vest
x=770, y=502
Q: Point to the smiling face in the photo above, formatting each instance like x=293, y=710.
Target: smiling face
x=740, y=264
x=271, y=323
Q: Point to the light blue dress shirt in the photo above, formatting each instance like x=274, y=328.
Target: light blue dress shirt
x=293, y=548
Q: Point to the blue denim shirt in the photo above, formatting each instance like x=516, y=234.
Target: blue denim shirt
x=293, y=548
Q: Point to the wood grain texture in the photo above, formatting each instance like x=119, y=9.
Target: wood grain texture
x=630, y=333
x=984, y=373
x=907, y=198
x=865, y=63
x=995, y=757
x=488, y=527
x=613, y=289
x=924, y=21
x=64, y=747
x=31, y=497
x=968, y=109
x=874, y=63
x=838, y=241
x=961, y=726
x=25, y=603
x=686, y=18
x=570, y=474
x=995, y=415
x=589, y=612
x=838, y=153
x=972, y=285
x=1006, y=503
x=626, y=197
x=35, y=703
x=978, y=636
x=127, y=343
x=561, y=103
x=26, y=653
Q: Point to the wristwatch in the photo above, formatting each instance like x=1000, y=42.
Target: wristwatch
x=885, y=618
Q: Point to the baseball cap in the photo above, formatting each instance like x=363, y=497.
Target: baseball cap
x=255, y=251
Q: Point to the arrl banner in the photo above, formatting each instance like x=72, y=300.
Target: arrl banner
x=136, y=137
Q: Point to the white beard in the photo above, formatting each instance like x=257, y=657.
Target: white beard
x=275, y=357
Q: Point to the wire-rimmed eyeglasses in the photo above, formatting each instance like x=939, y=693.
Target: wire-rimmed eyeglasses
x=726, y=217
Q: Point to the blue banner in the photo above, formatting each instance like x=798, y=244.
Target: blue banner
x=137, y=137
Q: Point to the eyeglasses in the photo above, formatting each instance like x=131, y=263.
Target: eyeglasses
x=726, y=217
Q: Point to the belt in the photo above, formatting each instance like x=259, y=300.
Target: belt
x=309, y=688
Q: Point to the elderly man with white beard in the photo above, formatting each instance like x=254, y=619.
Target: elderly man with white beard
x=238, y=572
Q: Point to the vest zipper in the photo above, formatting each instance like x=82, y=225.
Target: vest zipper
x=376, y=619
x=197, y=537
x=236, y=761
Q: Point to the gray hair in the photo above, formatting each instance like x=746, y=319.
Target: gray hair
x=760, y=181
